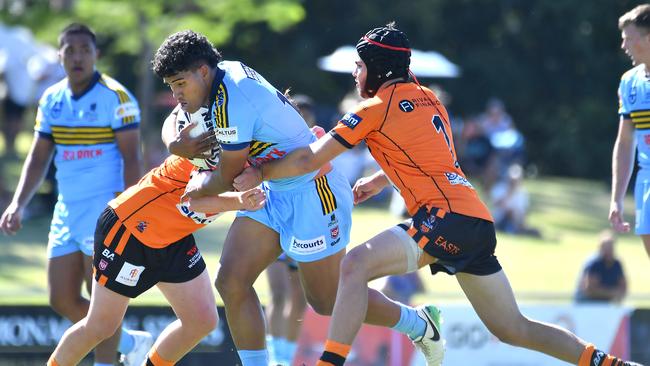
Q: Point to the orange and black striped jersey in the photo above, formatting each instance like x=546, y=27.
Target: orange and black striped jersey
x=407, y=131
x=151, y=209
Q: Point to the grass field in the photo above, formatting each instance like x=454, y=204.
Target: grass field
x=569, y=213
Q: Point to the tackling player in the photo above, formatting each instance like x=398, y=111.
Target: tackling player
x=408, y=132
x=144, y=238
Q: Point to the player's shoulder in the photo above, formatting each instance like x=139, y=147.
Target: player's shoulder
x=633, y=73
x=54, y=90
x=113, y=86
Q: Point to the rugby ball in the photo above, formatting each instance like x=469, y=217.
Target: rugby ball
x=210, y=159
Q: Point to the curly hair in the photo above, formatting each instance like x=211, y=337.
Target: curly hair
x=183, y=51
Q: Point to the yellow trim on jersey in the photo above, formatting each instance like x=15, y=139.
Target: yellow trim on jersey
x=327, y=199
x=121, y=93
x=640, y=113
x=642, y=126
x=82, y=135
x=220, y=112
x=258, y=147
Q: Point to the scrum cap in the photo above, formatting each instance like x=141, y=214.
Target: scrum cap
x=387, y=54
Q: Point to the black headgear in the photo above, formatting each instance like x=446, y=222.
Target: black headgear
x=387, y=54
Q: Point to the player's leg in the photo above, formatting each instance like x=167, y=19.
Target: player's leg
x=642, y=207
x=646, y=243
x=494, y=302
x=249, y=248
x=278, y=277
x=194, y=305
x=105, y=314
x=293, y=313
x=106, y=351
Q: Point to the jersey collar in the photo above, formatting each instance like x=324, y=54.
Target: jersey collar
x=93, y=81
x=218, y=78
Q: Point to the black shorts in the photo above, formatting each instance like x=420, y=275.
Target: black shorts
x=13, y=110
x=461, y=243
x=125, y=265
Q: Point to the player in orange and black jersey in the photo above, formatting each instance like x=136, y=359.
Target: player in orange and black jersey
x=408, y=133
x=144, y=238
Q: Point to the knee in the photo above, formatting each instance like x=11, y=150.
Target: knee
x=354, y=266
x=514, y=332
x=207, y=322
x=63, y=305
x=229, y=284
x=98, y=330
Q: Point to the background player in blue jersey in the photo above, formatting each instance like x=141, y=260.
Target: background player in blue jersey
x=89, y=124
x=634, y=125
x=308, y=216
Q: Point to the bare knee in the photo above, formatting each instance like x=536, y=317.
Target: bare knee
x=206, y=323
x=353, y=267
x=229, y=285
x=513, y=332
x=98, y=330
x=65, y=306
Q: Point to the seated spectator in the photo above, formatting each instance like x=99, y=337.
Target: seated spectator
x=510, y=203
x=602, y=279
x=402, y=287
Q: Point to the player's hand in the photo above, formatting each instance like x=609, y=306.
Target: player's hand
x=250, y=178
x=318, y=131
x=616, y=218
x=193, y=188
x=253, y=199
x=365, y=188
x=11, y=220
x=204, y=204
x=190, y=147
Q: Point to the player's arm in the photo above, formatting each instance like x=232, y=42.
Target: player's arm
x=34, y=170
x=128, y=141
x=220, y=180
x=367, y=187
x=622, y=160
x=298, y=162
x=250, y=200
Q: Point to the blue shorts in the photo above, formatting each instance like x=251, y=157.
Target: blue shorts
x=642, y=200
x=313, y=220
x=73, y=225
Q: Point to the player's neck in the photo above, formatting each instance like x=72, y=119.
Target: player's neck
x=80, y=86
x=209, y=80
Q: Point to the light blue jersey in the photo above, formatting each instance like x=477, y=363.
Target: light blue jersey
x=88, y=161
x=248, y=111
x=634, y=104
x=312, y=215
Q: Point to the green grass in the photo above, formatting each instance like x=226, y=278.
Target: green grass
x=569, y=212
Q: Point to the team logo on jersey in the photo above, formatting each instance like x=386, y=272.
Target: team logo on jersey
x=406, y=106
x=129, y=274
x=333, y=220
x=250, y=73
x=632, y=97
x=55, y=112
x=142, y=226
x=351, y=120
x=309, y=246
x=455, y=179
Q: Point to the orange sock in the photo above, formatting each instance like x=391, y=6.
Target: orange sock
x=334, y=354
x=585, y=358
x=52, y=361
x=154, y=359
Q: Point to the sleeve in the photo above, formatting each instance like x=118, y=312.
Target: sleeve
x=43, y=126
x=356, y=125
x=126, y=112
x=234, y=118
x=623, y=107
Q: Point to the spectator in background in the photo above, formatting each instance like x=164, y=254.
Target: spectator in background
x=602, y=279
x=506, y=141
x=510, y=203
x=402, y=287
x=475, y=151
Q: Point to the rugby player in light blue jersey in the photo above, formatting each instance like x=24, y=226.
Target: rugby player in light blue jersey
x=634, y=125
x=89, y=124
x=308, y=217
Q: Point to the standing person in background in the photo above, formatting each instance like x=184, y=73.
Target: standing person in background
x=89, y=124
x=451, y=230
x=633, y=128
x=602, y=278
